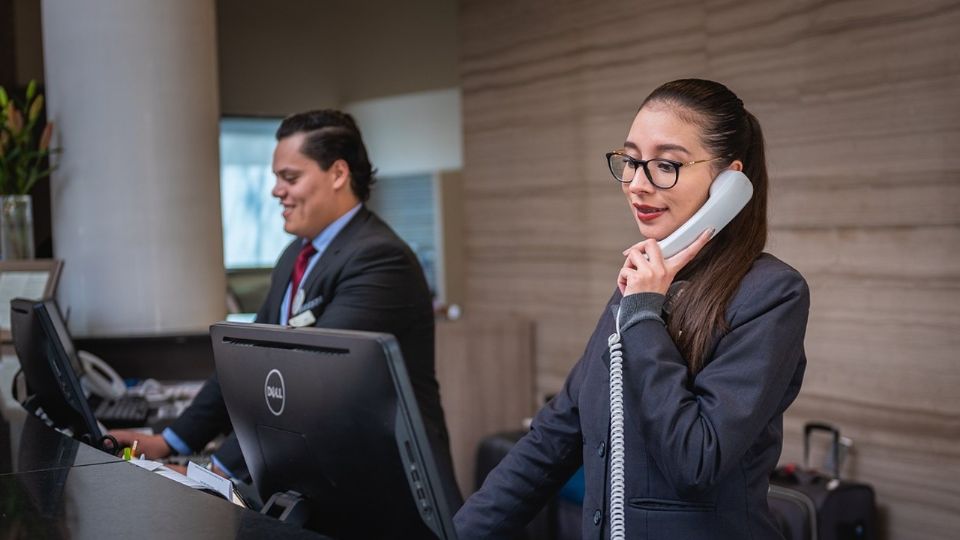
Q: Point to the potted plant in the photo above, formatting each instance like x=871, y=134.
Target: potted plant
x=24, y=149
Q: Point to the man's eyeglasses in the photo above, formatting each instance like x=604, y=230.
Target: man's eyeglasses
x=662, y=173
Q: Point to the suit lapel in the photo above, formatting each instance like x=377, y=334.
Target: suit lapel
x=329, y=260
x=279, y=279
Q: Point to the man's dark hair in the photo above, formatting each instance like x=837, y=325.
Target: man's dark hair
x=333, y=135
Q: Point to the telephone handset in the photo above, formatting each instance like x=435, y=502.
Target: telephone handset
x=99, y=378
x=729, y=193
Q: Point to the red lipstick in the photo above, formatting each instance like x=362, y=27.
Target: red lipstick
x=646, y=212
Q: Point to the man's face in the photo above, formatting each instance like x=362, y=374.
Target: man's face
x=306, y=191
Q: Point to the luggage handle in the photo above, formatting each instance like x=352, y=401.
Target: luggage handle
x=809, y=428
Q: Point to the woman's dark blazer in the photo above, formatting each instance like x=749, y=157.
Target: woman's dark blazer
x=699, y=450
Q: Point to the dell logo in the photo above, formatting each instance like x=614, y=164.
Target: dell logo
x=274, y=391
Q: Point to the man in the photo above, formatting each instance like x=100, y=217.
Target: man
x=346, y=269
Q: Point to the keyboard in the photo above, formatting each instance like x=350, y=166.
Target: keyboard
x=123, y=413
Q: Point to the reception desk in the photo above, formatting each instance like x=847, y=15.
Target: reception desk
x=52, y=486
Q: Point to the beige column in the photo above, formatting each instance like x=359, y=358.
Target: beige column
x=132, y=86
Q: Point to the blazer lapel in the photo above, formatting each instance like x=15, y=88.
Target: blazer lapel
x=329, y=259
x=280, y=280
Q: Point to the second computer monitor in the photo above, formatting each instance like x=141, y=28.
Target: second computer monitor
x=50, y=366
x=331, y=415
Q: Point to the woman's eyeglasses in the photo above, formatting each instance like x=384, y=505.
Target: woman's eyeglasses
x=662, y=173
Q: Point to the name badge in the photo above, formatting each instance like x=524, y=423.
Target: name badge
x=311, y=304
x=304, y=319
x=298, y=299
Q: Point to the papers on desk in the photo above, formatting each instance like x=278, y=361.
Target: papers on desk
x=146, y=464
x=197, y=478
x=159, y=468
x=210, y=479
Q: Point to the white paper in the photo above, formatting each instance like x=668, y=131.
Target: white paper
x=193, y=482
x=179, y=478
x=147, y=464
x=210, y=479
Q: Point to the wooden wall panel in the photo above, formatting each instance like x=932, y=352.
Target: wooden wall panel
x=860, y=105
x=485, y=371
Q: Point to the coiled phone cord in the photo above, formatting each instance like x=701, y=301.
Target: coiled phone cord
x=617, y=450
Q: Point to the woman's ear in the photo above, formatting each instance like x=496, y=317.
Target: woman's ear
x=737, y=165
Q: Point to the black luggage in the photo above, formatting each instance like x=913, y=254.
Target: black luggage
x=811, y=505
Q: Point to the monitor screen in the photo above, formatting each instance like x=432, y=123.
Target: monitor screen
x=35, y=279
x=50, y=366
x=331, y=415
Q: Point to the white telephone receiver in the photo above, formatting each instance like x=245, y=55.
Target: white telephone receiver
x=99, y=378
x=729, y=193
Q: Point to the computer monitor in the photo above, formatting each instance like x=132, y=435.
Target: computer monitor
x=331, y=416
x=51, y=368
x=33, y=278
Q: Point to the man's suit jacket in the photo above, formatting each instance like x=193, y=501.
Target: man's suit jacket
x=698, y=449
x=366, y=279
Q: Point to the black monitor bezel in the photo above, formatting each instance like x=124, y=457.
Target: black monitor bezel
x=49, y=368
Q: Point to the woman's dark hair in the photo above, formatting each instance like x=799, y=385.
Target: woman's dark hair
x=728, y=130
x=333, y=135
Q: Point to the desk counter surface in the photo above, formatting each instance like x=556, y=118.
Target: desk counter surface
x=52, y=486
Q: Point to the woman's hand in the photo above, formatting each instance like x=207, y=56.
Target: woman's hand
x=645, y=269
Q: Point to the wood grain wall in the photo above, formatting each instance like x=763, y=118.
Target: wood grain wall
x=486, y=384
x=860, y=104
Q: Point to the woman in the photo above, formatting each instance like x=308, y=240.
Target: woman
x=705, y=380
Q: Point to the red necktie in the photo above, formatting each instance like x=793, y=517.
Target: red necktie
x=303, y=258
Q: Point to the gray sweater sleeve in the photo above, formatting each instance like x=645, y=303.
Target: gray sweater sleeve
x=640, y=307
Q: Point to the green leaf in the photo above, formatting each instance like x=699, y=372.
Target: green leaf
x=35, y=109
x=31, y=90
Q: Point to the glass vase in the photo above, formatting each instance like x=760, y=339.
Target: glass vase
x=16, y=227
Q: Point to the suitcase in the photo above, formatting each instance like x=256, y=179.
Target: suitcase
x=811, y=505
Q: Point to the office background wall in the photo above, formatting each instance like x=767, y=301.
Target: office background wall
x=859, y=103
x=294, y=56
x=302, y=54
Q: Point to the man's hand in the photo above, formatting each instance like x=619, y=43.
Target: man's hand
x=218, y=470
x=151, y=446
x=182, y=469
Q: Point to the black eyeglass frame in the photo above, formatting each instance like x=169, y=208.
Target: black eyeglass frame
x=646, y=171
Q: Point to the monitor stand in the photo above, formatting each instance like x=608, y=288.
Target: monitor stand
x=288, y=506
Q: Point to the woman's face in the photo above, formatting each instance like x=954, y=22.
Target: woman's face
x=658, y=132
